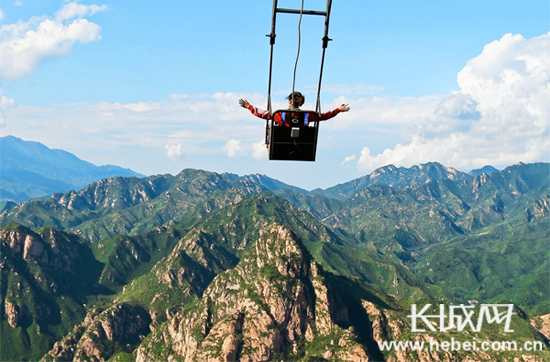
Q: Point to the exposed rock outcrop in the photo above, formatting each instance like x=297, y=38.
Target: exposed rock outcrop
x=49, y=248
x=14, y=314
x=98, y=335
x=38, y=266
x=542, y=324
x=275, y=302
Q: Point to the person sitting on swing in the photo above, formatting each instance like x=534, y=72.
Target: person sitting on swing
x=295, y=101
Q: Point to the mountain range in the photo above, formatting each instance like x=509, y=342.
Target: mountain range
x=30, y=169
x=221, y=267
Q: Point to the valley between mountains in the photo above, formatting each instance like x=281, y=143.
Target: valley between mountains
x=203, y=266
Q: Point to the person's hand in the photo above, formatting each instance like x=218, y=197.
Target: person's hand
x=344, y=108
x=244, y=103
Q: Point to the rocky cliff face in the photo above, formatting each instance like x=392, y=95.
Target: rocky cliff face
x=274, y=303
x=14, y=313
x=45, y=277
x=277, y=303
x=50, y=248
x=101, y=332
x=542, y=325
x=36, y=267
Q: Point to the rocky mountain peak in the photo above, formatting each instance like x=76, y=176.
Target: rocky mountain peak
x=485, y=169
x=275, y=299
x=277, y=246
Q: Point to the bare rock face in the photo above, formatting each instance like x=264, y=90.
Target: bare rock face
x=539, y=209
x=272, y=303
x=542, y=324
x=29, y=263
x=93, y=339
x=14, y=314
x=15, y=242
x=33, y=247
x=479, y=181
x=50, y=249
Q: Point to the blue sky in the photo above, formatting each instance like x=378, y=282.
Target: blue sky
x=153, y=86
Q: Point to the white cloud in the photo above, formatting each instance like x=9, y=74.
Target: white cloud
x=18, y=3
x=24, y=46
x=202, y=124
x=76, y=10
x=380, y=111
x=236, y=148
x=259, y=151
x=209, y=125
x=174, y=152
x=500, y=116
x=507, y=69
x=233, y=148
x=494, y=119
x=349, y=159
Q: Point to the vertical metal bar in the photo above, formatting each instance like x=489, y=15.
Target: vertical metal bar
x=273, y=21
x=326, y=39
x=271, y=36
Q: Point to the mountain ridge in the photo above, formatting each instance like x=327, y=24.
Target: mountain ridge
x=270, y=183
x=391, y=175
x=30, y=169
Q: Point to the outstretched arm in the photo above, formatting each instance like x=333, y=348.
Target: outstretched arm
x=255, y=111
x=329, y=115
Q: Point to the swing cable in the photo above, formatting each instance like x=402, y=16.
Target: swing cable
x=298, y=54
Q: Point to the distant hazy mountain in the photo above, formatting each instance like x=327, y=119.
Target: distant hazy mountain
x=486, y=169
x=30, y=169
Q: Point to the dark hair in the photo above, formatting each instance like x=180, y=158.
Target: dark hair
x=298, y=99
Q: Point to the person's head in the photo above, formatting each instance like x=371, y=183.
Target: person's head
x=296, y=99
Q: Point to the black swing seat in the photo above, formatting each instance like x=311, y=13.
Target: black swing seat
x=295, y=139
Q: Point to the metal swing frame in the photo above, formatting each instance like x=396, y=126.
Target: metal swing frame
x=294, y=143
